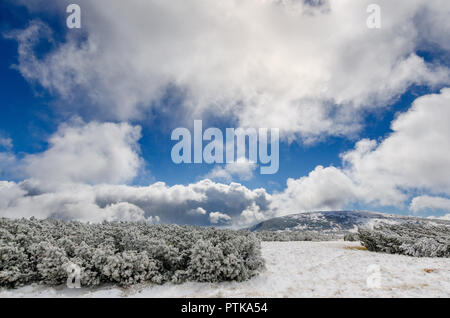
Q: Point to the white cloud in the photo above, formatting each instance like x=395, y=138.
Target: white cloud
x=88, y=153
x=242, y=169
x=80, y=176
x=9, y=191
x=76, y=202
x=197, y=211
x=219, y=218
x=253, y=215
x=428, y=203
x=310, y=70
x=178, y=203
x=158, y=202
x=323, y=189
x=416, y=156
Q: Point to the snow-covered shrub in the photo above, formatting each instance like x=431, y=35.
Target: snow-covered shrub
x=351, y=237
x=414, y=239
x=225, y=257
x=123, y=253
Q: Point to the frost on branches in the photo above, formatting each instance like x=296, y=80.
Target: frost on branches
x=33, y=251
x=413, y=239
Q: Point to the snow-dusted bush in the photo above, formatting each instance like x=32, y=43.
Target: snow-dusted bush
x=123, y=253
x=414, y=239
x=351, y=237
x=298, y=236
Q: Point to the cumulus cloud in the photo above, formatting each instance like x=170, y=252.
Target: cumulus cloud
x=428, y=203
x=219, y=218
x=194, y=204
x=252, y=215
x=414, y=157
x=187, y=204
x=73, y=203
x=81, y=174
x=308, y=67
x=323, y=189
x=242, y=169
x=197, y=211
x=88, y=153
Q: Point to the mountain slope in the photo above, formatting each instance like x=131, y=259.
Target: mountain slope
x=334, y=221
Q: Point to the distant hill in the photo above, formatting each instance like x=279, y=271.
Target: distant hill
x=335, y=221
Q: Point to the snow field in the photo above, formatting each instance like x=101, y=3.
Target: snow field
x=297, y=269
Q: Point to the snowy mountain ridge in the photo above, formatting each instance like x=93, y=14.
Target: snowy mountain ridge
x=336, y=221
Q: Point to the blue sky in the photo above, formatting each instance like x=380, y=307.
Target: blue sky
x=169, y=93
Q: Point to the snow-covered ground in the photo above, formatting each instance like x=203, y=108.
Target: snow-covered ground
x=299, y=269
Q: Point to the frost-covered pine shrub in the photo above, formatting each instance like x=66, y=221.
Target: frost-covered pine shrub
x=351, y=237
x=123, y=253
x=413, y=239
x=298, y=236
